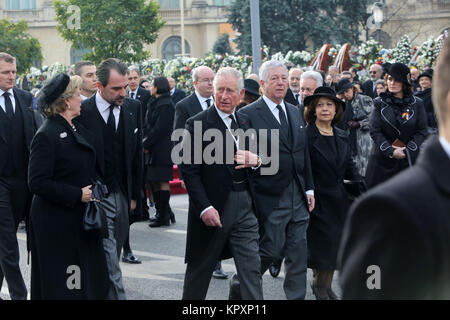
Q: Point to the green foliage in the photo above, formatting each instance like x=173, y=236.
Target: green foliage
x=111, y=28
x=16, y=41
x=222, y=45
x=289, y=24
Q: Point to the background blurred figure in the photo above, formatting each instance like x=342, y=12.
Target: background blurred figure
x=145, y=84
x=369, y=87
x=293, y=92
x=425, y=80
x=402, y=227
x=158, y=145
x=86, y=70
x=398, y=127
x=415, y=79
x=253, y=76
x=356, y=123
x=332, y=161
x=251, y=93
x=381, y=87
x=175, y=93
x=61, y=172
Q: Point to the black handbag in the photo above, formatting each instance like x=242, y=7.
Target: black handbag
x=94, y=216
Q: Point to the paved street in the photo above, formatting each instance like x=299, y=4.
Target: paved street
x=161, y=274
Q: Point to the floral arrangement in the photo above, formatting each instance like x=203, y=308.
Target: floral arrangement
x=152, y=68
x=403, y=52
x=368, y=53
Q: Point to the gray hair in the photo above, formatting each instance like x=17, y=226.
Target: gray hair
x=268, y=65
x=134, y=68
x=311, y=74
x=381, y=81
x=196, y=70
x=229, y=71
x=7, y=57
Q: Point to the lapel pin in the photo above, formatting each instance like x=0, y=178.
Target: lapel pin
x=63, y=135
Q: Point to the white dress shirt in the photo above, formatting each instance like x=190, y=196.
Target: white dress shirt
x=203, y=100
x=11, y=97
x=134, y=93
x=445, y=144
x=103, y=108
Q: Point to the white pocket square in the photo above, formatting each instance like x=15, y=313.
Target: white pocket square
x=135, y=130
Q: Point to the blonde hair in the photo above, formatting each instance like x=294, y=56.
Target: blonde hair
x=59, y=105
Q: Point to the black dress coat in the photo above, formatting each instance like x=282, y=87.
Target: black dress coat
x=157, y=137
x=329, y=170
x=388, y=124
x=208, y=185
x=367, y=88
x=62, y=162
x=294, y=161
x=178, y=95
x=426, y=97
x=402, y=227
x=290, y=98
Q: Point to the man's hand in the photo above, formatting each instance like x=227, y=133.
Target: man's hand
x=132, y=205
x=311, y=202
x=211, y=218
x=245, y=159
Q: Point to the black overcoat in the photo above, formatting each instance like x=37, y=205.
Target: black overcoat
x=393, y=119
x=62, y=162
x=327, y=219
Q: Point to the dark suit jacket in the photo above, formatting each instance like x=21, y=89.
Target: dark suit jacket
x=24, y=101
x=91, y=119
x=290, y=98
x=144, y=97
x=207, y=185
x=178, y=95
x=294, y=162
x=403, y=227
x=367, y=88
x=185, y=109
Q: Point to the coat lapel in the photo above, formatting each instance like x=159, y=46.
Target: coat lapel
x=3, y=126
x=128, y=128
x=294, y=122
x=27, y=114
x=271, y=121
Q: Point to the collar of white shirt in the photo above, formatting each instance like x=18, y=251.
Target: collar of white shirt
x=225, y=116
x=103, y=105
x=11, y=97
x=445, y=144
x=135, y=93
x=172, y=91
x=273, y=107
x=202, y=99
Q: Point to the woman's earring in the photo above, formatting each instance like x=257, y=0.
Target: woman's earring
x=68, y=106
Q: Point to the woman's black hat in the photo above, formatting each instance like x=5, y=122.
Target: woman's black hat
x=52, y=90
x=326, y=92
x=343, y=85
x=400, y=72
x=251, y=86
x=428, y=73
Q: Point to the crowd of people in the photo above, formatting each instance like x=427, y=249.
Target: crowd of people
x=362, y=178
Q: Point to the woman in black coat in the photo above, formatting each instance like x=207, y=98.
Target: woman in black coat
x=158, y=147
x=67, y=262
x=398, y=127
x=425, y=80
x=331, y=162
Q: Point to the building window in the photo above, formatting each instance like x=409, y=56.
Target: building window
x=170, y=4
x=172, y=47
x=76, y=55
x=222, y=2
x=20, y=4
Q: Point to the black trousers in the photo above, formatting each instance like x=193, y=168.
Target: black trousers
x=14, y=203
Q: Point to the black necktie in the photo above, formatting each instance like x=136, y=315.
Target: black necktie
x=132, y=95
x=234, y=125
x=283, y=121
x=208, y=102
x=111, y=124
x=296, y=98
x=8, y=106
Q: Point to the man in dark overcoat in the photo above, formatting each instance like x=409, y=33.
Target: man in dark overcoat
x=17, y=128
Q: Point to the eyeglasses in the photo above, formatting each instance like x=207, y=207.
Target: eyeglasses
x=206, y=80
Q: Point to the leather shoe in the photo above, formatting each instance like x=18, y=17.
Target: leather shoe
x=130, y=258
x=172, y=216
x=275, y=268
x=318, y=297
x=219, y=273
x=332, y=295
x=235, y=291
